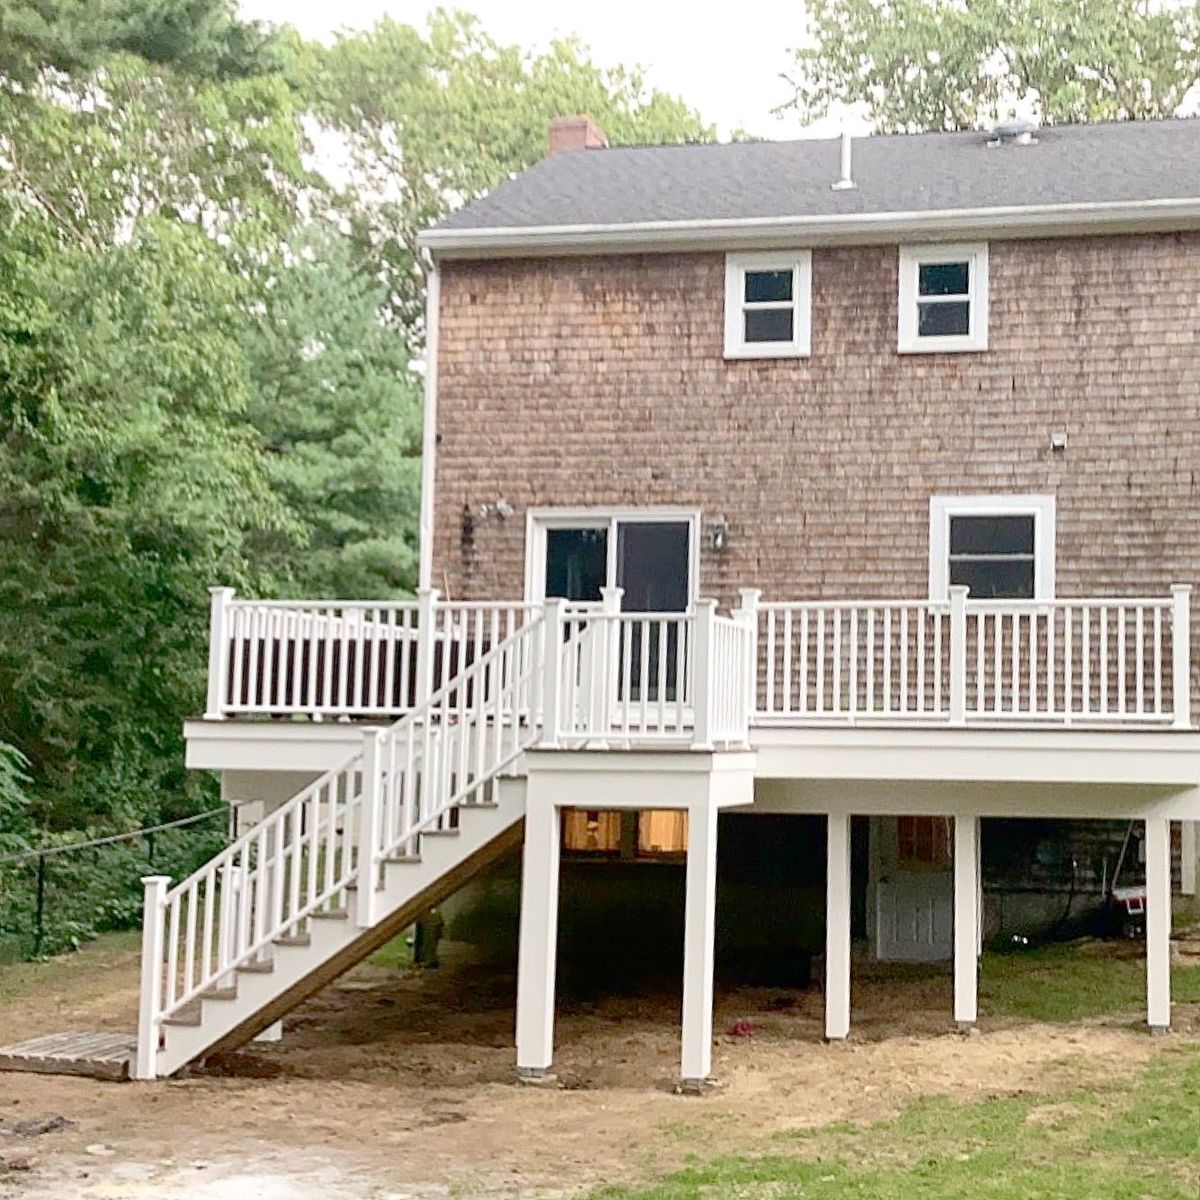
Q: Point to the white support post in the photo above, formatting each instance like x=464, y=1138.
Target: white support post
x=1187, y=858
x=966, y=920
x=1181, y=654
x=552, y=621
x=537, y=952
x=747, y=612
x=227, y=921
x=149, y=1007
x=427, y=601
x=1158, y=923
x=218, y=652
x=702, y=680
x=699, y=936
x=837, y=928
x=958, y=654
x=370, y=826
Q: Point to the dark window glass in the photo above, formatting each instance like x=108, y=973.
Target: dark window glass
x=652, y=565
x=944, y=320
x=994, y=579
x=991, y=535
x=993, y=556
x=944, y=279
x=769, y=325
x=576, y=563
x=768, y=285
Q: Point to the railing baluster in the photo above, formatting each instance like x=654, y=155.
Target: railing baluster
x=820, y=680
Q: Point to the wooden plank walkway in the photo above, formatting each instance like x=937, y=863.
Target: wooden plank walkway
x=98, y=1055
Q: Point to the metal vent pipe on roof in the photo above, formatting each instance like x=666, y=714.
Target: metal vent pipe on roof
x=847, y=179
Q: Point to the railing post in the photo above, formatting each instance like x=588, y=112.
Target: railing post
x=370, y=825
x=747, y=613
x=153, y=916
x=227, y=922
x=218, y=652
x=552, y=620
x=1181, y=654
x=958, y=654
x=427, y=599
x=702, y=681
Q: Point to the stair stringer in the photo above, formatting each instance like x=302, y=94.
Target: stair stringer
x=486, y=832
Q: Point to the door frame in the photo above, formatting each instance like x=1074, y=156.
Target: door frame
x=538, y=520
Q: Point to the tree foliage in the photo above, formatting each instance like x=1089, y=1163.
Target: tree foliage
x=945, y=64
x=429, y=119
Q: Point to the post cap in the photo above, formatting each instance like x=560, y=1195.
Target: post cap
x=156, y=880
x=1180, y=589
x=220, y=590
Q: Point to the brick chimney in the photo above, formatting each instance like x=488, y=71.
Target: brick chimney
x=576, y=133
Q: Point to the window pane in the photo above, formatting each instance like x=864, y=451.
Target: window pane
x=662, y=831
x=576, y=563
x=944, y=320
x=591, y=832
x=991, y=535
x=769, y=325
x=944, y=279
x=652, y=565
x=991, y=580
x=768, y=285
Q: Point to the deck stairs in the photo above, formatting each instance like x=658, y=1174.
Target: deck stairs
x=343, y=866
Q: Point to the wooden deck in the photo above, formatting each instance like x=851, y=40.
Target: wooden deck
x=96, y=1055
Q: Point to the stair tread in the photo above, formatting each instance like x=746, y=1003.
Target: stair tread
x=332, y=914
x=183, y=1018
x=440, y=833
x=256, y=968
x=294, y=939
x=401, y=859
x=220, y=993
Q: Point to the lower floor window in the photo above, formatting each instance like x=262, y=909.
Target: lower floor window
x=654, y=833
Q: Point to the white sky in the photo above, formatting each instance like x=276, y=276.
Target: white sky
x=724, y=61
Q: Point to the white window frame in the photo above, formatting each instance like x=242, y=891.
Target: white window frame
x=539, y=520
x=943, y=508
x=912, y=258
x=799, y=262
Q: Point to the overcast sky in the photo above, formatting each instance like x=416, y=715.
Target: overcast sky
x=726, y=65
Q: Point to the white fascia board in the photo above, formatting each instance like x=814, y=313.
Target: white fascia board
x=1019, y=221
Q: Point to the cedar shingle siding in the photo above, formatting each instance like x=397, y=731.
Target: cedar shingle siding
x=600, y=380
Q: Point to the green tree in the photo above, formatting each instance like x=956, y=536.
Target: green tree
x=430, y=119
x=941, y=64
x=339, y=416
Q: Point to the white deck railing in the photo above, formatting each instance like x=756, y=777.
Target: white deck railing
x=345, y=658
x=618, y=678
x=1061, y=662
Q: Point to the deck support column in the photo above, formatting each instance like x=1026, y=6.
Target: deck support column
x=966, y=920
x=699, y=937
x=537, y=952
x=837, y=928
x=1158, y=924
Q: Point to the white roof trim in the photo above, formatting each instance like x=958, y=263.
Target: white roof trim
x=1015, y=221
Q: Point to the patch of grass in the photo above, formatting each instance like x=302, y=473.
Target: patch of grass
x=396, y=954
x=1121, y=1141
x=1072, y=982
x=75, y=972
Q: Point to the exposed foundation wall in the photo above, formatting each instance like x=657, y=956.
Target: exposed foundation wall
x=601, y=381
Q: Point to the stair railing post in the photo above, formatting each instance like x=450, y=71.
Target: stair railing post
x=747, y=613
x=1181, y=654
x=370, y=826
x=702, y=675
x=150, y=1003
x=958, y=654
x=218, y=652
x=427, y=602
x=552, y=671
x=227, y=923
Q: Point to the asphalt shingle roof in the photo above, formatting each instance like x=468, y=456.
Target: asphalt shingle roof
x=1127, y=161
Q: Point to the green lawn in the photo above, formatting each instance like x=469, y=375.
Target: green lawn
x=1137, y=1139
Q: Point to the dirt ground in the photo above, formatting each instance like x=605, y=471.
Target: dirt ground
x=397, y=1083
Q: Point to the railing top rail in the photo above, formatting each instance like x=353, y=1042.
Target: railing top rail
x=1157, y=601
x=781, y=605
x=304, y=605
x=486, y=604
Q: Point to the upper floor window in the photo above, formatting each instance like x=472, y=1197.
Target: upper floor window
x=1001, y=547
x=768, y=304
x=943, y=298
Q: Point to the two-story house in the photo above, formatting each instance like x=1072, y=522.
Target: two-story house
x=853, y=483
